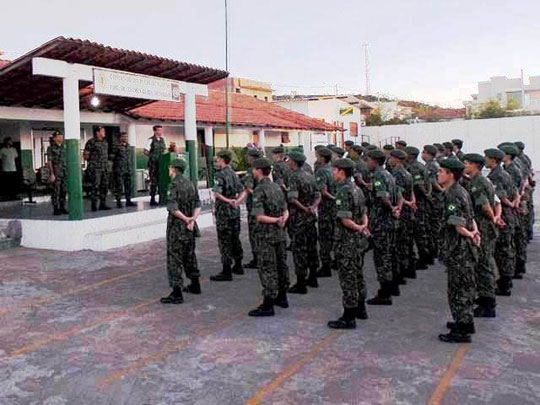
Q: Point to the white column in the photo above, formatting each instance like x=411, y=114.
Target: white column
x=190, y=117
x=209, y=136
x=72, y=118
x=262, y=140
x=132, y=134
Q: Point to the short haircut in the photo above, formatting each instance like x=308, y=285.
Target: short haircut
x=348, y=171
x=97, y=129
x=326, y=158
x=299, y=164
x=457, y=173
x=226, y=158
x=266, y=171
x=123, y=133
x=156, y=127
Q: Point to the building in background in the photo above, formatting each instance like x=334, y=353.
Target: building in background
x=253, y=88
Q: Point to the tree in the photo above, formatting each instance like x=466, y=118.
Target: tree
x=374, y=119
x=492, y=109
x=512, y=104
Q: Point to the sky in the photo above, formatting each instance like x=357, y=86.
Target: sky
x=426, y=50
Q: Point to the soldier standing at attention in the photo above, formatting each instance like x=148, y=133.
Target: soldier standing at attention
x=435, y=212
x=327, y=210
x=317, y=149
x=401, y=144
x=461, y=240
x=249, y=185
x=440, y=152
x=351, y=230
x=56, y=162
x=96, y=153
x=184, y=208
x=154, y=148
x=529, y=190
x=304, y=198
x=485, y=210
x=361, y=174
x=382, y=227
x=348, y=146
x=122, y=171
x=505, y=251
x=270, y=210
x=229, y=194
x=449, y=150
x=458, y=145
x=337, y=152
x=280, y=170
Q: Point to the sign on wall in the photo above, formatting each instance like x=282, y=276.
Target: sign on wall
x=115, y=83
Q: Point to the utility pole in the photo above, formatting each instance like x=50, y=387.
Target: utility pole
x=227, y=129
x=366, y=66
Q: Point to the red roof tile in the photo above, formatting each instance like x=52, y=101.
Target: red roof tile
x=4, y=62
x=243, y=111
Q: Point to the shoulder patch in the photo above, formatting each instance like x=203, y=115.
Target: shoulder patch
x=377, y=183
x=452, y=207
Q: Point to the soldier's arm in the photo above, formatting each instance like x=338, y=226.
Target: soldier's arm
x=382, y=193
x=481, y=199
x=218, y=190
x=292, y=195
x=172, y=203
x=49, y=164
x=86, y=153
x=344, y=212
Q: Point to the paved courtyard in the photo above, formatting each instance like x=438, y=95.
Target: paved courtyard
x=88, y=328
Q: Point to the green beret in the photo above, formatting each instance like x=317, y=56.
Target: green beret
x=343, y=163
x=494, y=153
x=179, y=163
x=358, y=149
x=330, y=146
x=319, y=147
x=376, y=154
x=520, y=145
x=452, y=164
x=411, y=150
x=388, y=147
x=474, y=158
x=325, y=152
x=278, y=149
x=338, y=150
x=297, y=149
x=371, y=147
x=511, y=150
x=262, y=163
x=439, y=146
x=254, y=153
x=55, y=133
x=364, y=144
x=349, y=143
x=224, y=154
x=297, y=156
x=457, y=142
x=399, y=154
x=506, y=144
x=401, y=142
x=431, y=149
x=448, y=145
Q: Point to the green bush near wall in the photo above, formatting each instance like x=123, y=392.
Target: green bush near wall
x=141, y=159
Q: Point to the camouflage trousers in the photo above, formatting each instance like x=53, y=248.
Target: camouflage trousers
x=404, y=248
x=461, y=285
x=122, y=185
x=520, y=237
x=326, y=240
x=421, y=228
x=486, y=269
x=530, y=217
x=252, y=222
x=304, y=249
x=273, y=270
x=99, y=184
x=228, y=235
x=181, y=257
x=383, y=241
x=153, y=174
x=435, y=215
x=59, y=191
x=505, y=251
x=350, y=263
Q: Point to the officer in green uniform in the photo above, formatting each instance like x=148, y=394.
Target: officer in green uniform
x=56, y=162
x=96, y=153
x=249, y=185
x=440, y=152
x=351, y=230
x=154, y=148
x=184, y=207
x=270, y=210
x=280, y=171
x=458, y=145
x=401, y=144
x=304, y=198
x=485, y=213
x=122, y=171
x=461, y=240
x=228, y=190
x=435, y=208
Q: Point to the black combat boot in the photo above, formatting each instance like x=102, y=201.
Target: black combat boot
x=103, y=206
x=175, y=297
x=130, y=203
x=265, y=309
x=119, y=204
x=383, y=296
x=504, y=286
x=470, y=329
x=394, y=288
x=312, y=279
x=194, y=287
x=421, y=263
x=520, y=269
x=253, y=263
x=410, y=272
x=401, y=270
x=361, y=312
x=56, y=211
x=430, y=259
x=225, y=275
x=485, y=308
x=347, y=320
x=324, y=271
x=238, y=268
x=458, y=334
x=281, y=300
x=299, y=287
x=63, y=211
x=153, y=202
x=94, y=206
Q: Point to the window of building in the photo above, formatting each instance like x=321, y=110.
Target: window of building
x=238, y=90
x=265, y=98
x=255, y=96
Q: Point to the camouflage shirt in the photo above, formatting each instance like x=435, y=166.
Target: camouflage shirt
x=227, y=183
x=268, y=199
x=182, y=196
x=57, y=156
x=121, y=158
x=351, y=203
x=419, y=173
x=249, y=182
x=280, y=173
x=515, y=174
x=404, y=182
x=432, y=171
x=98, y=154
x=157, y=147
x=324, y=178
x=302, y=187
x=384, y=186
x=482, y=192
x=505, y=189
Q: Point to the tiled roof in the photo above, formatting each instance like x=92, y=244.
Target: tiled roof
x=4, y=62
x=243, y=111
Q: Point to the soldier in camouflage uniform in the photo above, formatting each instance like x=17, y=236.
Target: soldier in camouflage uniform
x=435, y=208
x=361, y=175
x=154, y=148
x=304, y=198
x=404, y=259
x=485, y=208
x=122, y=171
x=439, y=157
x=401, y=144
x=56, y=162
x=529, y=190
x=270, y=210
x=249, y=185
x=184, y=207
x=337, y=152
x=327, y=210
x=228, y=190
x=388, y=164
x=351, y=230
x=449, y=151
x=96, y=153
x=461, y=240
x=458, y=145
x=382, y=222
x=505, y=252
x=280, y=171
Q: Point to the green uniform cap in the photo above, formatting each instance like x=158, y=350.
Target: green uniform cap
x=520, y=145
x=364, y=144
x=448, y=145
x=411, y=150
x=179, y=164
x=388, y=147
x=330, y=146
x=338, y=150
x=376, y=154
x=457, y=142
x=262, y=163
x=224, y=154
x=319, y=147
x=494, y=153
x=278, y=149
x=399, y=154
x=371, y=147
x=452, y=164
x=511, y=150
x=474, y=158
x=431, y=149
x=439, y=146
x=401, y=142
x=325, y=152
x=55, y=133
x=343, y=163
x=297, y=156
x=358, y=149
x=254, y=153
x=349, y=143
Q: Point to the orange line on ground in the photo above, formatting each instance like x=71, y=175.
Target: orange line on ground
x=77, y=290
x=278, y=381
x=166, y=350
x=438, y=395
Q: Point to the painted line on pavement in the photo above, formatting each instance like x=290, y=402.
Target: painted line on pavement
x=446, y=380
